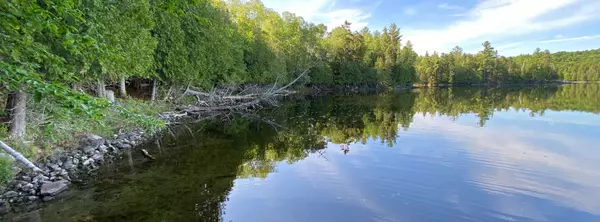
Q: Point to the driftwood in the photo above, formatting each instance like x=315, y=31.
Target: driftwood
x=147, y=155
x=220, y=108
x=234, y=98
x=19, y=157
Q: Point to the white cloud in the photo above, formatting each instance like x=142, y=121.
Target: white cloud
x=450, y=7
x=562, y=39
x=328, y=12
x=515, y=48
x=498, y=19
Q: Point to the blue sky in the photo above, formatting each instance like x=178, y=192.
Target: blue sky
x=513, y=26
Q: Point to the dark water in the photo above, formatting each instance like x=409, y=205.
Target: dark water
x=458, y=154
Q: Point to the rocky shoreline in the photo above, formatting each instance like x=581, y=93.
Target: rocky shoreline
x=28, y=189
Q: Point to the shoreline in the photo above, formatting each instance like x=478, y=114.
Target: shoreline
x=28, y=189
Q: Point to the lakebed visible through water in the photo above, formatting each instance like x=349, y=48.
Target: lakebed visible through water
x=443, y=154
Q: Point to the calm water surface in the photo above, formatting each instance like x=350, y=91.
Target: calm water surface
x=458, y=154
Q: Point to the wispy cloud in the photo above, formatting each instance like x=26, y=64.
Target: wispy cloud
x=498, y=19
x=562, y=39
x=459, y=15
x=512, y=48
x=450, y=7
x=328, y=12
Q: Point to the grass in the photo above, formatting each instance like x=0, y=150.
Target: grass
x=6, y=172
x=49, y=130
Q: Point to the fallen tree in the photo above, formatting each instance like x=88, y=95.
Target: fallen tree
x=237, y=98
x=19, y=157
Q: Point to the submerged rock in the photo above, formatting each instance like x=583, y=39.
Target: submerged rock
x=54, y=188
x=27, y=189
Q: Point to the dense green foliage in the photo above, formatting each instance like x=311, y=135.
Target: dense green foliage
x=208, y=42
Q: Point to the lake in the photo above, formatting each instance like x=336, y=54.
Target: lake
x=447, y=154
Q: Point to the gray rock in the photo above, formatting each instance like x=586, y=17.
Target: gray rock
x=47, y=198
x=69, y=164
x=98, y=157
x=32, y=198
x=10, y=194
x=113, y=149
x=126, y=146
x=41, y=178
x=90, y=142
x=88, y=149
x=26, y=178
x=103, y=149
x=54, y=188
x=27, y=187
x=128, y=135
x=54, y=167
x=87, y=162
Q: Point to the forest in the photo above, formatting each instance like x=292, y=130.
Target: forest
x=69, y=53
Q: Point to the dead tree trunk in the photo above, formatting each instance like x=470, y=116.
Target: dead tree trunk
x=16, y=109
x=122, y=86
x=153, y=93
x=100, y=88
x=232, y=98
x=77, y=87
x=19, y=157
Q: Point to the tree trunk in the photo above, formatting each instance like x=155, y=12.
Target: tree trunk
x=168, y=94
x=77, y=87
x=100, y=88
x=19, y=157
x=153, y=93
x=16, y=108
x=122, y=87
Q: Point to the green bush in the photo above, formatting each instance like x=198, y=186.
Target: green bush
x=6, y=172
